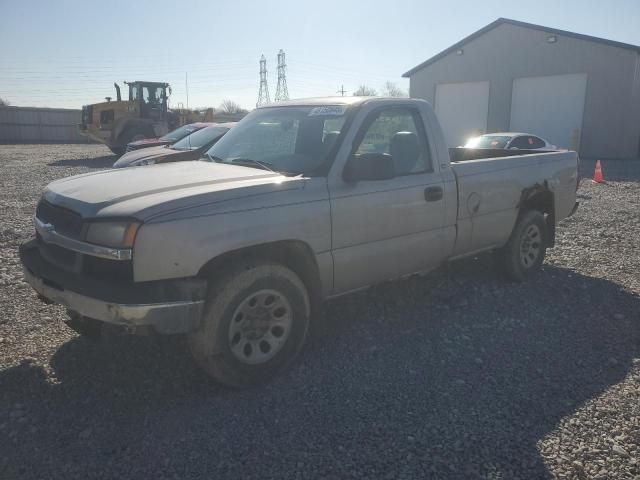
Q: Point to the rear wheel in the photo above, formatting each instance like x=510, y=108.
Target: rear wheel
x=526, y=249
x=255, y=323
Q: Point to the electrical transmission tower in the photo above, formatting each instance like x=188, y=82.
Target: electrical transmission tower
x=282, y=92
x=263, y=94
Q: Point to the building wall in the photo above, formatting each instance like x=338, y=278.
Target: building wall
x=39, y=125
x=611, y=121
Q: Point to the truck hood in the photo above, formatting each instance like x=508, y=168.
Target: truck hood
x=149, y=192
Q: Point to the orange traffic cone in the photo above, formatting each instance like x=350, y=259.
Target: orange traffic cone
x=597, y=174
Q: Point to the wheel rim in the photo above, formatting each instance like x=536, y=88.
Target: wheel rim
x=530, y=246
x=260, y=326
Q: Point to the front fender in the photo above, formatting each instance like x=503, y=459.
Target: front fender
x=180, y=248
x=179, y=243
x=129, y=123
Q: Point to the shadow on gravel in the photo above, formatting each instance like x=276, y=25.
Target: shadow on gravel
x=96, y=162
x=455, y=375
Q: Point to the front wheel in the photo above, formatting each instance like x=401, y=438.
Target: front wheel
x=117, y=150
x=524, y=252
x=127, y=137
x=255, y=323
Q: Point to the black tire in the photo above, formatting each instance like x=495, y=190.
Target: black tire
x=219, y=346
x=128, y=136
x=524, y=252
x=119, y=151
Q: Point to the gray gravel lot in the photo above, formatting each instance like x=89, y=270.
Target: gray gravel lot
x=458, y=375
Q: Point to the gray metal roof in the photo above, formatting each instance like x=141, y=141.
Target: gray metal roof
x=501, y=21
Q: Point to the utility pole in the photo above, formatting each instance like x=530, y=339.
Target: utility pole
x=263, y=93
x=282, y=92
x=186, y=84
x=342, y=91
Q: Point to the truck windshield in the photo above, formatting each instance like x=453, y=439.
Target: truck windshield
x=179, y=133
x=286, y=139
x=488, y=141
x=200, y=138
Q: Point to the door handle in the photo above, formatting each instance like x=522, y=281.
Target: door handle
x=433, y=194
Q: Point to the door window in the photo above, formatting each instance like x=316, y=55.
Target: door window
x=399, y=133
x=537, y=142
x=527, y=142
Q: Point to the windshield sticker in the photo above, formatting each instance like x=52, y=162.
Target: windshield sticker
x=333, y=110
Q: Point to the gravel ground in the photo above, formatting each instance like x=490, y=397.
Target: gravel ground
x=457, y=375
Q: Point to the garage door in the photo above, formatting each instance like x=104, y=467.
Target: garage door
x=462, y=110
x=550, y=107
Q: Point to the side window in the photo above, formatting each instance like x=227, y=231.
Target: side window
x=145, y=94
x=537, y=142
x=395, y=132
x=527, y=142
x=134, y=93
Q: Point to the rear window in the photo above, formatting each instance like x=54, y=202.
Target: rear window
x=488, y=141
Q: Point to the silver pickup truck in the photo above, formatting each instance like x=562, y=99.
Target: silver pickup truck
x=301, y=201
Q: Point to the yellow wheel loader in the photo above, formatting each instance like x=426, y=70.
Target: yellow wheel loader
x=143, y=115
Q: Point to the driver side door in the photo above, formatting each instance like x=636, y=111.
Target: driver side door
x=385, y=229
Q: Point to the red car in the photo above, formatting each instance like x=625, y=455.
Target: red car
x=168, y=139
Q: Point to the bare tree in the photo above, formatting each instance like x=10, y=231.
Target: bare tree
x=4, y=103
x=390, y=89
x=365, y=91
x=231, y=107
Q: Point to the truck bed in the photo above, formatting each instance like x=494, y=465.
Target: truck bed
x=462, y=154
x=492, y=183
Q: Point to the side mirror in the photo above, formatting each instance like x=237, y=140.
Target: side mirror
x=369, y=166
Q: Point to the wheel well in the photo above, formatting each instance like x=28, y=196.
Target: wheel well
x=540, y=198
x=293, y=254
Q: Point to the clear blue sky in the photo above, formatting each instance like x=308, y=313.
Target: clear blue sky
x=67, y=53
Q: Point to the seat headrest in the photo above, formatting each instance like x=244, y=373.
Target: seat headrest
x=328, y=141
x=405, y=151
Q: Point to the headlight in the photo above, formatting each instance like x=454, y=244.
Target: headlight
x=112, y=234
x=144, y=161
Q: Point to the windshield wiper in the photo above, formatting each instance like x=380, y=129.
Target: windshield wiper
x=248, y=162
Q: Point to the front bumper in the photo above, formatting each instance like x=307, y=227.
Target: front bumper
x=171, y=306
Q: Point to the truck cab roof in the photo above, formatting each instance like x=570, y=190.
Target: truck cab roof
x=299, y=102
